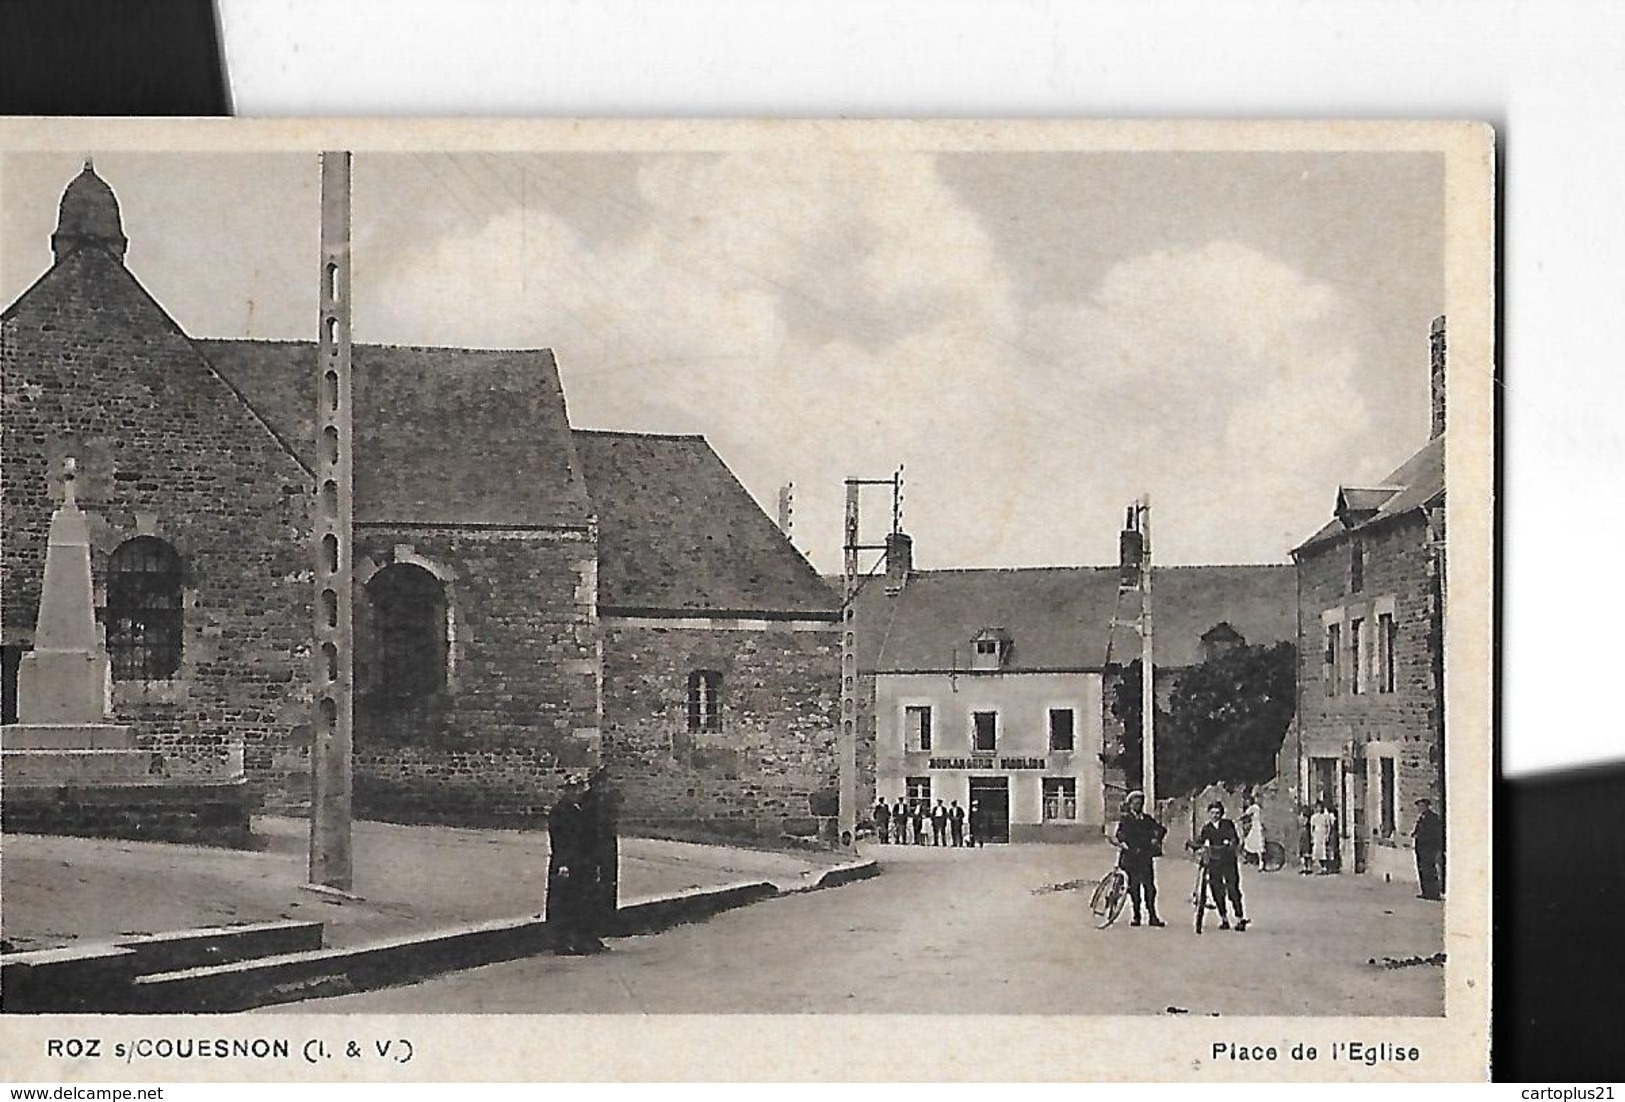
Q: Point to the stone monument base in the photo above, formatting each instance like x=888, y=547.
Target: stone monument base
x=90, y=780
x=202, y=813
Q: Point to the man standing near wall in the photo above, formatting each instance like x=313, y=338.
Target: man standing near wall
x=603, y=811
x=571, y=874
x=1428, y=837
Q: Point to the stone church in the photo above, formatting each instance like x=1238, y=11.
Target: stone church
x=531, y=598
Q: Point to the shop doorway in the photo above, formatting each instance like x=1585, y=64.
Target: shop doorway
x=992, y=796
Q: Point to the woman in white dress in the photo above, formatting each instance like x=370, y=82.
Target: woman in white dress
x=1322, y=826
x=1252, y=825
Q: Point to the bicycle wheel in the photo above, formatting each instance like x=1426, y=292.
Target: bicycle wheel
x=1274, y=859
x=1110, y=894
x=1199, y=896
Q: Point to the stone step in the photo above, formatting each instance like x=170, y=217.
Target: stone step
x=66, y=736
x=53, y=768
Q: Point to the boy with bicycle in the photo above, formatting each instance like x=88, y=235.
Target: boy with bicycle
x=1218, y=847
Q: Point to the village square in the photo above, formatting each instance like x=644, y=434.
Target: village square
x=350, y=675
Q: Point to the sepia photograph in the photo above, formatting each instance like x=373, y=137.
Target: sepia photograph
x=635, y=578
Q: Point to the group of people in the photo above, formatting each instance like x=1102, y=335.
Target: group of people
x=920, y=823
x=583, y=864
x=1218, y=845
x=1319, y=850
x=1222, y=848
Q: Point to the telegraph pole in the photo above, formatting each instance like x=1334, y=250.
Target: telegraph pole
x=846, y=746
x=1148, y=680
x=1134, y=573
x=330, y=809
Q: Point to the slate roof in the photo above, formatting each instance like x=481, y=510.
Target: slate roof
x=677, y=532
x=442, y=435
x=1059, y=618
x=1417, y=484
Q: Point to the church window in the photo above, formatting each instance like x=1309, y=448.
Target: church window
x=144, y=613
x=705, y=700
x=405, y=653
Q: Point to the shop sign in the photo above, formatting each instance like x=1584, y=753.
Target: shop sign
x=989, y=762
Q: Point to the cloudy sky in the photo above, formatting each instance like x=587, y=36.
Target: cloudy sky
x=1038, y=337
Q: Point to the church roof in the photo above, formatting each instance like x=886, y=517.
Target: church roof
x=1060, y=618
x=677, y=532
x=442, y=435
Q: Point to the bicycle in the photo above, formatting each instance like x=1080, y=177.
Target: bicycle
x=1110, y=895
x=1200, y=893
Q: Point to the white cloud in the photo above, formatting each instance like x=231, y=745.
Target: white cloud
x=819, y=316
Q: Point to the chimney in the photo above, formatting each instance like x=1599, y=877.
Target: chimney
x=1436, y=358
x=899, y=561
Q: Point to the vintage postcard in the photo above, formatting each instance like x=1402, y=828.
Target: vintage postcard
x=698, y=601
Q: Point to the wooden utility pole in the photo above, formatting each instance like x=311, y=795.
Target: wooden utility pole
x=330, y=809
x=1148, y=678
x=846, y=745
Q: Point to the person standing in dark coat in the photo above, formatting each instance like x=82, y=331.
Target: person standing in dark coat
x=1220, y=844
x=882, y=821
x=956, y=823
x=1428, y=837
x=570, y=873
x=603, y=805
x=978, y=825
x=1139, y=842
x=939, y=824
x=899, y=821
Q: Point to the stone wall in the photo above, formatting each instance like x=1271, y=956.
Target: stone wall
x=520, y=709
x=771, y=770
x=1398, y=567
x=94, y=369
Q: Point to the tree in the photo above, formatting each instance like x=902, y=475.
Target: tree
x=1224, y=724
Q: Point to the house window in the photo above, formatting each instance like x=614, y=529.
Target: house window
x=1388, y=798
x=990, y=649
x=705, y=700
x=1060, y=799
x=405, y=654
x=1356, y=666
x=917, y=727
x=1334, y=659
x=919, y=793
x=985, y=738
x=1385, y=652
x=144, y=610
x=1356, y=565
x=1060, y=728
